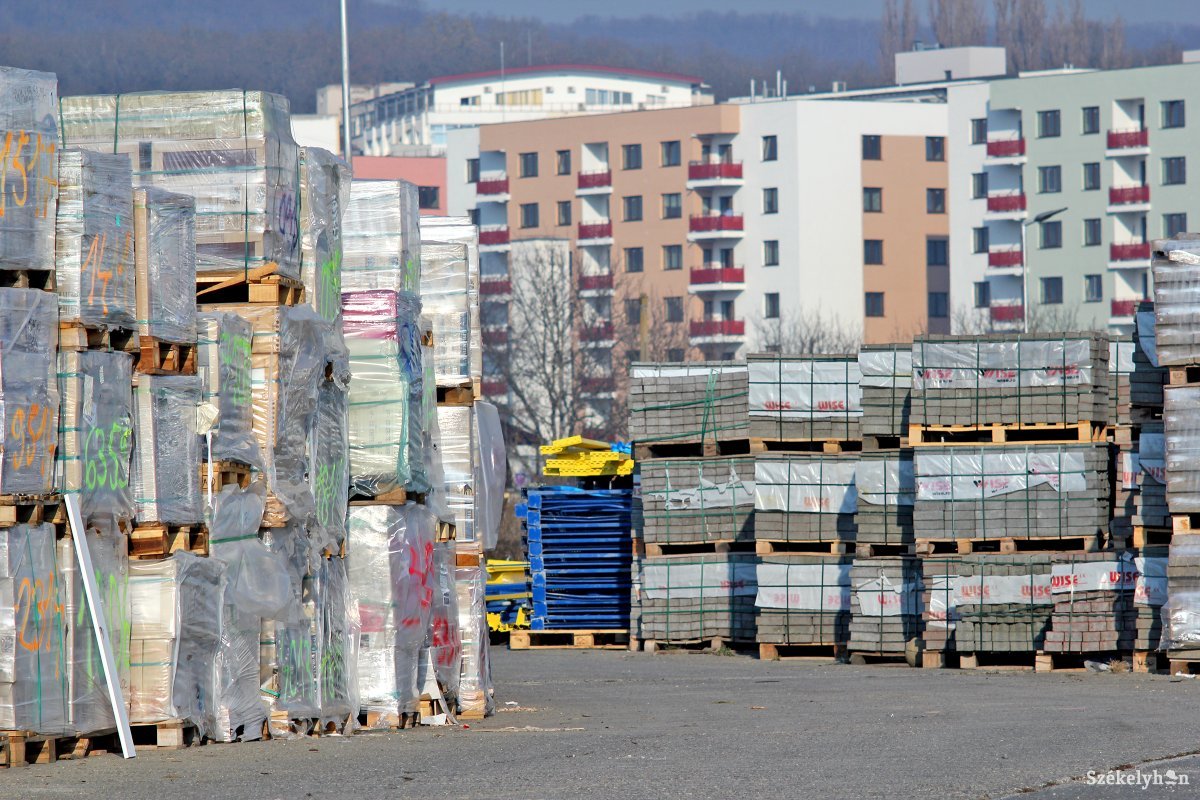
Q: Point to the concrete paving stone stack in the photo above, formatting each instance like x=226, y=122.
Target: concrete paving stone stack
x=939, y=617
x=1149, y=596
x=886, y=389
x=804, y=599
x=1018, y=491
x=28, y=111
x=677, y=404
x=804, y=397
x=1094, y=608
x=1003, y=603
x=804, y=497
x=886, y=493
x=688, y=598
x=1181, y=613
x=1150, y=497
x=885, y=604
x=693, y=500
x=1009, y=379
x=1176, y=267
x=1120, y=374
x=1181, y=428
x=1124, y=489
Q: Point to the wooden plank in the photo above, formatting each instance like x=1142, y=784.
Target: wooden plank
x=766, y=547
x=1014, y=433
x=654, y=549
x=815, y=651
x=569, y=639
x=831, y=446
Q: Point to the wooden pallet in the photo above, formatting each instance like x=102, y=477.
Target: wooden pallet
x=225, y=473
x=21, y=748
x=396, y=497
x=836, y=547
x=16, y=509
x=939, y=659
x=446, y=532
x=708, y=448
x=260, y=285
x=1017, y=433
x=1185, y=661
x=157, y=357
x=1124, y=434
x=1024, y=661
x=861, y=657
x=581, y=639
x=1184, y=374
x=388, y=720
x=1149, y=661
x=1011, y=544
x=1151, y=536
x=654, y=549
x=876, y=549
x=759, y=445
x=170, y=734
x=710, y=645
x=1185, y=523
x=456, y=396
x=467, y=559
x=1074, y=661
x=76, y=336
x=28, y=279
x=153, y=540
x=314, y=728
x=873, y=442
x=816, y=651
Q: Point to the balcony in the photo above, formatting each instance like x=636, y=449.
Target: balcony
x=1128, y=142
x=596, y=282
x=494, y=335
x=495, y=236
x=1008, y=314
x=1013, y=202
x=490, y=188
x=601, y=385
x=1006, y=257
x=703, y=174
x=589, y=231
x=714, y=328
x=1128, y=199
x=1125, y=308
x=600, y=332
x=1006, y=151
x=1132, y=254
x=494, y=287
x=597, y=181
x=717, y=279
x=494, y=387
x=715, y=226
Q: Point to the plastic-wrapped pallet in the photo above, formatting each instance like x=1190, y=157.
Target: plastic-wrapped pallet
x=1149, y=596
x=1148, y=377
x=939, y=616
x=33, y=675
x=96, y=432
x=1094, y=609
x=886, y=389
x=803, y=600
x=887, y=490
x=1003, y=602
x=337, y=638
x=166, y=473
x=288, y=647
x=885, y=604
x=1010, y=379
x=1124, y=489
x=175, y=633
x=805, y=397
x=28, y=390
x=165, y=231
x=324, y=192
x=28, y=109
x=1150, y=498
x=442, y=640
x=1176, y=267
x=475, y=680
x=329, y=467
x=450, y=296
x=456, y=443
x=1181, y=405
x=804, y=497
x=688, y=403
x=381, y=239
x=688, y=598
x=491, y=474
x=225, y=366
x=1181, y=613
x=232, y=150
x=93, y=245
x=687, y=500
x=1012, y=491
x=1120, y=371
x=89, y=709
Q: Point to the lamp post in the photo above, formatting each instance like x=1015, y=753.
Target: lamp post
x=345, y=90
x=1038, y=220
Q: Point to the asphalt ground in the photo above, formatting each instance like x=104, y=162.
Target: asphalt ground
x=605, y=724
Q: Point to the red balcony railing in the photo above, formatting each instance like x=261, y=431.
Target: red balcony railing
x=595, y=179
x=494, y=336
x=718, y=327
x=596, y=333
x=1134, y=251
x=492, y=186
x=596, y=281
x=494, y=236
x=495, y=287
x=597, y=385
x=706, y=275
x=1124, y=308
x=716, y=222
x=1119, y=140
x=714, y=170
x=494, y=387
x=1007, y=313
x=1006, y=202
x=1005, y=258
x=595, y=230
x=1006, y=148
x=1123, y=195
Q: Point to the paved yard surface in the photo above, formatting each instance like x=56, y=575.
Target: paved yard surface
x=630, y=725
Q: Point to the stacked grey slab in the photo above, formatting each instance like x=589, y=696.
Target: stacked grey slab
x=691, y=403
x=1092, y=618
x=1011, y=491
x=803, y=398
x=805, y=497
x=938, y=614
x=1010, y=379
x=1124, y=489
x=802, y=599
x=885, y=604
x=1150, y=596
x=886, y=492
x=1148, y=377
x=1003, y=603
x=693, y=500
x=1181, y=428
x=688, y=598
x=1176, y=266
x=1120, y=374
x=1150, y=497
x=886, y=389
x=1181, y=614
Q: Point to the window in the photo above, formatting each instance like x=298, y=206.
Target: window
x=937, y=251
x=472, y=170
x=939, y=304
x=935, y=148
x=1174, y=224
x=771, y=305
x=1091, y=176
x=935, y=201
x=428, y=197
x=529, y=215
x=1091, y=232
x=564, y=212
x=674, y=309
x=770, y=201
x=675, y=354
x=1052, y=291
x=635, y=259
x=771, y=253
x=562, y=162
x=979, y=185
x=1049, y=180
x=473, y=215
x=770, y=148
x=981, y=240
x=1091, y=119
x=493, y=315
x=1093, y=288
x=872, y=199
x=672, y=205
x=670, y=153
x=529, y=165
x=633, y=207
x=631, y=156
x=873, y=251
x=1051, y=234
x=872, y=148
x=873, y=304
x=1172, y=114
x=633, y=311
x=979, y=131
x=1174, y=170
x=983, y=294
x=672, y=256
x=1049, y=124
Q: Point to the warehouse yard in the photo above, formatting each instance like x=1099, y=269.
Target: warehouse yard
x=614, y=724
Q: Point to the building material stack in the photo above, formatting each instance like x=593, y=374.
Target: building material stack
x=885, y=606
x=886, y=395
x=1094, y=609
x=1003, y=605
x=803, y=604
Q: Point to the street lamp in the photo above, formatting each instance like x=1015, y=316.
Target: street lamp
x=345, y=90
x=1038, y=220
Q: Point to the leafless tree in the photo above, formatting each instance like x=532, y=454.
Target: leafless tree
x=897, y=34
x=806, y=332
x=971, y=321
x=1057, y=318
x=958, y=23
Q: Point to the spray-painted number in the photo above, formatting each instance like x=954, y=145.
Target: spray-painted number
x=106, y=457
x=31, y=437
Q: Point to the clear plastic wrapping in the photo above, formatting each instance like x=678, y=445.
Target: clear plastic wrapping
x=231, y=149
x=799, y=397
x=442, y=640
x=93, y=248
x=1181, y=613
x=805, y=497
x=698, y=499
x=1176, y=269
x=28, y=390
x=1181, y=427
x=702, y=596
x=329, y=470
x=381, y=239
x=290, y=644
x=225, y=365
x=886, y=484
x=886, y=389
x=165, y=226
x=435, y=495
x=694, y=402
x=475, y=679
x=324, y=192
x=337, y=638
x=450, y=289
x=456, y=438
x=28, y=168
x=166, y=473
x=33, y=630
x=493, y=474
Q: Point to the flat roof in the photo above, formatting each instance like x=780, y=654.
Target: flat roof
x=546, y=68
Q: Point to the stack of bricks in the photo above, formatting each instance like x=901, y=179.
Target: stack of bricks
x=700, y=404
x=1003, y=603
x=805, y=497
x=886, y=488
x=701, y=597
x=804, y=398
x=885, y=605
x=1094, y=609
x=803, y=600
x=886, y=390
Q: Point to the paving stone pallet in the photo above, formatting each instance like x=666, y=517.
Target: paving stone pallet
x=886, y=389
x=1003, y=603
x=1181, y=614
x=1124, y=489
x=884, y=604
x=1176, y=267
x=805, y=497
x=886, y=489
x=1098, y=614
x=1181, y=410
x=1150, y=497
x=803, y=599
x=938, y=615
x=698, y=499
x=686, y=403
x=691, y=597
x=804, y=397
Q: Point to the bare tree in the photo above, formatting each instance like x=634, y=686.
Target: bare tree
x=806, y=332
x=958, y=23
x=898, y=33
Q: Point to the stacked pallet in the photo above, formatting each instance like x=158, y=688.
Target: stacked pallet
x=696, y=502
x=886, y=488
x=939, y=615
x=1094, y=609
x=802, y=500
x=885, y=605
x=698, y=599
x=1002, y=605
x=679, y=408
x=803, y=605
x=886, y=394
x=804, y=399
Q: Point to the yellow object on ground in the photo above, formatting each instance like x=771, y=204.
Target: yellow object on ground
x=578, y=457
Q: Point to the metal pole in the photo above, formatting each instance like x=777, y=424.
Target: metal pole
x=1024, y=279
x=345, y=89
